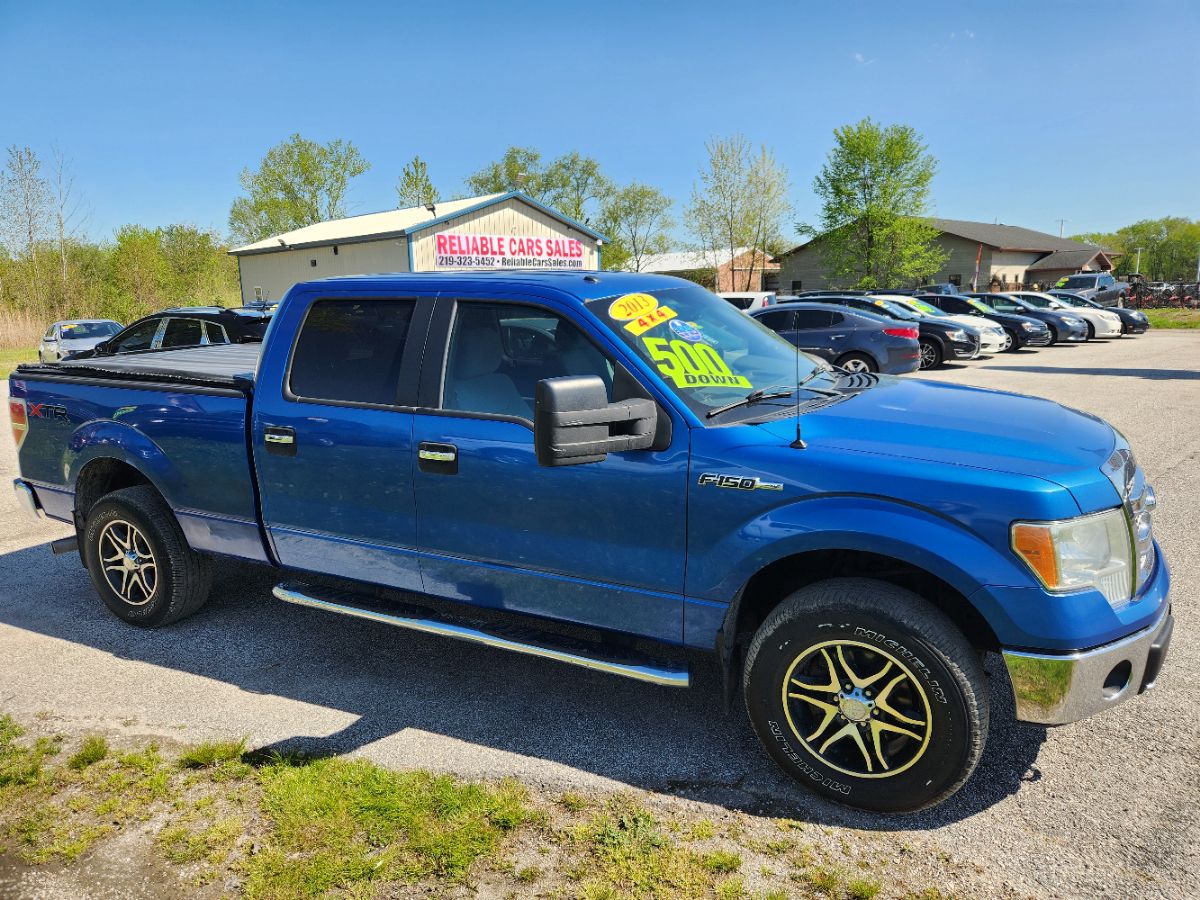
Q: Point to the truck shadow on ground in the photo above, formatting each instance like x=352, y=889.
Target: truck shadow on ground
x=680, y=742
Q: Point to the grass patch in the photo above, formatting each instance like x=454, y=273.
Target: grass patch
x=93, y=749
x=1173, y=318
x=273, y=827
x=336, y=823
x=11, y=358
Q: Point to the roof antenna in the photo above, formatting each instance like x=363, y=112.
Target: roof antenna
x=798, y=443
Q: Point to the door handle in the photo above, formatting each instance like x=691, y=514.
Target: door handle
x=280, y=440
x=440, y=459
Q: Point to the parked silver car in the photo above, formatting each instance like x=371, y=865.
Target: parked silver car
x=74, y=335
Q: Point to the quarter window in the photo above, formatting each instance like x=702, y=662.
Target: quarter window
x=349, y=351
x=499, y=352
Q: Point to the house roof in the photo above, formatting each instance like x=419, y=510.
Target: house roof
x=392, y=223
x=690, y=260
x=1006, y=237
x=1001, y=237
x=1071, y=260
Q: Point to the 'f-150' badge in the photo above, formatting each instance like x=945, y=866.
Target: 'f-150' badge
x=738, y=482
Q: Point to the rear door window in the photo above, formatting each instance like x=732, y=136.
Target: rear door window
x=182, y=333
x=215, y=333
x=810, y=319
x=138, y=337
x=349, y=351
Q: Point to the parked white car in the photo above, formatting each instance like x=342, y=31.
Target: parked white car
x=1100, y=322
x=992, y=338
x=749, y=301
x=74, y=335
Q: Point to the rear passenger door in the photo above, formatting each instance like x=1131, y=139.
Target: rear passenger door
x=815, y=333
x=333, y=439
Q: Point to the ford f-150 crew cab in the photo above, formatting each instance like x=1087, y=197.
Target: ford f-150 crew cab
x=635, y=459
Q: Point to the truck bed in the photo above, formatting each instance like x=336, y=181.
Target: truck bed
x=226, y=366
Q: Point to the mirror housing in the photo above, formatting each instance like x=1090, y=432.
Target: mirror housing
x=574, y=423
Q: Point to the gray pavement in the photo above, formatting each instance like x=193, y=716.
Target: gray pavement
x=1108, y=806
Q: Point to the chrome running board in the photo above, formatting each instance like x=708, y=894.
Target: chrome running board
x=600, y=658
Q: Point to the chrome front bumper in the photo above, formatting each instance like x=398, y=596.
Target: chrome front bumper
x=1054, y=689
x=26, y=499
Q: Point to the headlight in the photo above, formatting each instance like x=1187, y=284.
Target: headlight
x=1029, y=326
x=957, y=335
x=1087, y=552
x=1072, y=321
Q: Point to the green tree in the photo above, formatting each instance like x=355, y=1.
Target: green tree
x=415, y=188
x=637, y=221
x=1169, y=246
x=874, y=190
x=741, y=201
x=573, y=184
x=519, y=169
x=299, y=182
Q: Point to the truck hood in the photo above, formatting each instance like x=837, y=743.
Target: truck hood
x=965, y=426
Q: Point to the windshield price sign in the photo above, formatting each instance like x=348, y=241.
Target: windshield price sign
x=455, y=250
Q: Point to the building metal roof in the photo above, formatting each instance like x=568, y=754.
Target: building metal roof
x=393, y=223
x=690, y=260
x=1066, y=259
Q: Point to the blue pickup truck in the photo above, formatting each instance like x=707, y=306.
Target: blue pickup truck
x=611, y=462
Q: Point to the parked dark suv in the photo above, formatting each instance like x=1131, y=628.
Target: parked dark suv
x=1023, y=331
x=185, y=326
x=1098, y=286
x=851, y=339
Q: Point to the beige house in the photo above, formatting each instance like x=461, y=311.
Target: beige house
x=1009, y=257
x=496, y=231
x=743, y=269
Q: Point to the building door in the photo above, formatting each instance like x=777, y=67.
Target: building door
x=600, y=543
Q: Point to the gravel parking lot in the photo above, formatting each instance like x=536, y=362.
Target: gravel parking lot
x=1109, y=806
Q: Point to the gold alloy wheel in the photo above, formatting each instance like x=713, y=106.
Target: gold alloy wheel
x=128, y=562
x=857, y=708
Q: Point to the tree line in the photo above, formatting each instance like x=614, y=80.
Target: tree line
x=872, y=231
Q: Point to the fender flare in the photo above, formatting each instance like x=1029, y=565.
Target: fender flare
x=107, y=439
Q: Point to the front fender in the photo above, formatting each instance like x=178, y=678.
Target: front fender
x=912, y=534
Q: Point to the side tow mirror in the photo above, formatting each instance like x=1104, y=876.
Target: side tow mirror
x=574, y=423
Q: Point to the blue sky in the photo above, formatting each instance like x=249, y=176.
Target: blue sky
x=1088, y=111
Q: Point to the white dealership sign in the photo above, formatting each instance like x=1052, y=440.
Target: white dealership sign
x=457, y=250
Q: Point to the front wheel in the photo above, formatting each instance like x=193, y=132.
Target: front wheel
x=867, y=695
x=139, y=560
x=931, y=354
x=1013, y=344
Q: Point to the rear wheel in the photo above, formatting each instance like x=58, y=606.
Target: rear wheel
x=139, y=561
x=857, y=362
x=931, y=354
x=867, y=695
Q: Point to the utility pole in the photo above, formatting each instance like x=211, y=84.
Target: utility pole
x=1061, y=223
x=1138, y=266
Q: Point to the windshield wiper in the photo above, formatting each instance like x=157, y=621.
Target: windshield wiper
x=755, y=396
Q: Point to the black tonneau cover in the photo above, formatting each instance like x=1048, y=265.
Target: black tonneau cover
x=227, y=366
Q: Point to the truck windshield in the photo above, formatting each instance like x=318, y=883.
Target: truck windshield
x=709, y=353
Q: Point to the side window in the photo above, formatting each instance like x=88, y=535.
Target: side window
x=182, y=333
x=836, y=319
x=137, y=338
x=777, y=321
x=808, y=319
x=216, y=334
x=349, y=351
x=499, y=352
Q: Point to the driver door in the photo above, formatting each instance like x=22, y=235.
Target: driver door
x=600, y=543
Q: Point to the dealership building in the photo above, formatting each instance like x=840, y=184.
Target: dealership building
x=497, y=231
